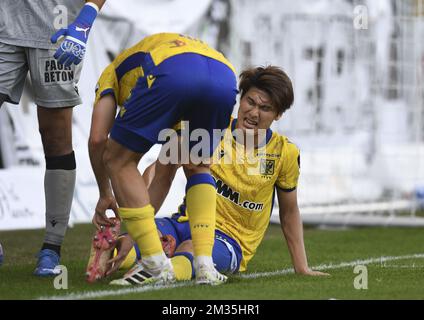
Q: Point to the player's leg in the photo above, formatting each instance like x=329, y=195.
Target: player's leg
x=13, y=71
x=226, y=256
x=55, y=126
x=201, y=208
x=131, y=194
x=214, y=105
x=182, y=259
x=55, y=94
x=153, y=106
x=128, y=256
x=168, y=229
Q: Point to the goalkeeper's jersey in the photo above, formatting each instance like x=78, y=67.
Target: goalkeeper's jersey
x=245, y=192
x=30, y=23
x=121, y=76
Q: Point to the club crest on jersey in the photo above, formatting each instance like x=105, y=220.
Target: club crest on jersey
x=267, y=167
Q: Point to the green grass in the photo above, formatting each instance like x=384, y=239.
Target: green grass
x=399, y=279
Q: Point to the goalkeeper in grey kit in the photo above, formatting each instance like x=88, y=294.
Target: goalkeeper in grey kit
x=28, y=43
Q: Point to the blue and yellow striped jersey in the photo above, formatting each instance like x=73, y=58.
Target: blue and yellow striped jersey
x=121, y=76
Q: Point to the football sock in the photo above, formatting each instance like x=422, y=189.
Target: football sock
x=59, y=185
x=201, y=206
x=52, y=247
x=128, y=261
x=183, y=266
x=141, y=227
x=181, y=261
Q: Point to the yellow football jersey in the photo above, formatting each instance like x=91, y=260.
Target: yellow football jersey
x=121, y=76
x=245, y=191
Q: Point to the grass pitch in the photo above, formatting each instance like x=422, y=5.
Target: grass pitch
x=394, y=260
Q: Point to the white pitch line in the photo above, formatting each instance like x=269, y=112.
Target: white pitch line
x=119, y=292
x=323, y=267
x=132, y=290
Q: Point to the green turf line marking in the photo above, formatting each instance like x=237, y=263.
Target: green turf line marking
x=132, y=290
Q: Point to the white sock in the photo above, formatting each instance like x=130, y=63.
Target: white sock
x=203, y=260
x=156, y=263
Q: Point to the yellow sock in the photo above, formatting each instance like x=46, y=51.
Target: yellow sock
x=129, y=259
x=183, y=268
x=140, y=223
x=201, y=207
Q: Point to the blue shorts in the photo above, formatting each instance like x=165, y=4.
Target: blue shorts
x=186, y=87
x=226, y=253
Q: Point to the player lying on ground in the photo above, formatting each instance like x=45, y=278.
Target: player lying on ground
x=160, y=81
x=245, y=200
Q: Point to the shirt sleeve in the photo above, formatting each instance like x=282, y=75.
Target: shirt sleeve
x=107, y=84
x=290, y=170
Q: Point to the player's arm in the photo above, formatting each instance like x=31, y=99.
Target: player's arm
x=98, y=3
x=101, y=122
x=158, y=178
x=72, y=49
x=159, y=175
x=292, y=227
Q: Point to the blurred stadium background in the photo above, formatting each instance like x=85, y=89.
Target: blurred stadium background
x=358, y=72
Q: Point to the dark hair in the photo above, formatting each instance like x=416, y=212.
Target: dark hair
x=272, y=80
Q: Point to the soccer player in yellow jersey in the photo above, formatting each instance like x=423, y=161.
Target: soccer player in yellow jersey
x=245, y=200
x=160, y=81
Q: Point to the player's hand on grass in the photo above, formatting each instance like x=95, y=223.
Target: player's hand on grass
x=72, y=49
x=310, y=272
x=100, y=219
x=123, y=247
x=317, y=273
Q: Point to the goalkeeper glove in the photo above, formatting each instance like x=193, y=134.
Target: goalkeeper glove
x=72, y=49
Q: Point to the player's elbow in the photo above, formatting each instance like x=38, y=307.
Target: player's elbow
x=97, y=141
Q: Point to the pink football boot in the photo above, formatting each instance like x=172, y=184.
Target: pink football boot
x=104, y=242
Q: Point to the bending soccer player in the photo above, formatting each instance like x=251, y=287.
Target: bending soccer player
x=26, y=29
x=163, y=79
x=245, y=200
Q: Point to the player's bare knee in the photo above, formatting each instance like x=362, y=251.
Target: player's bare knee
x=97, y=141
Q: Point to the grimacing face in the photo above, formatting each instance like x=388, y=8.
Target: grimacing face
x=256, y=111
